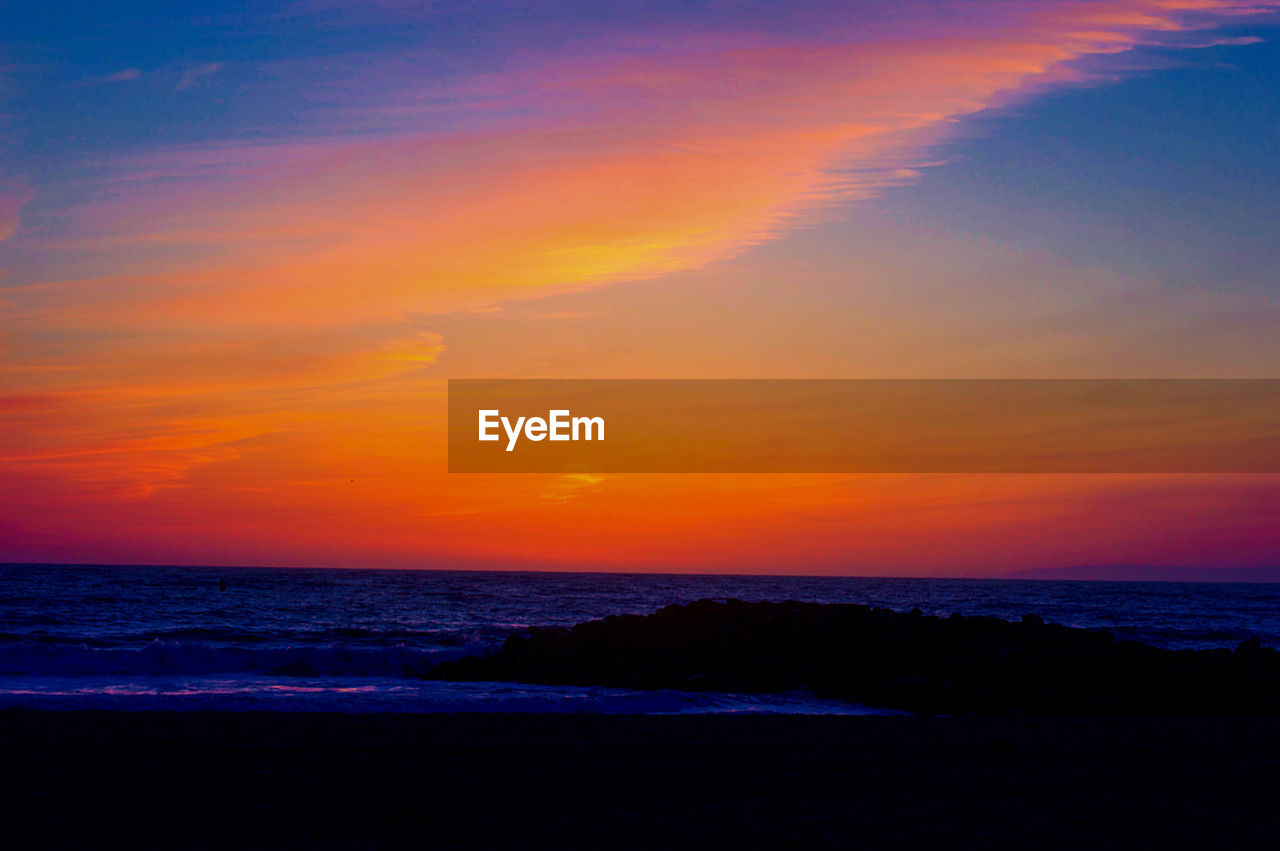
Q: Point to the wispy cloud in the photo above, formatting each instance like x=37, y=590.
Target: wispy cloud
x=124, y=75
x=640, y=159
x=14, y=195
x=195, y=75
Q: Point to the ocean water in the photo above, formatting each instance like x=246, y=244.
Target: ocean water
x=295, y=639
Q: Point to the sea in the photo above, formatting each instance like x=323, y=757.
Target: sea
x=301, y=640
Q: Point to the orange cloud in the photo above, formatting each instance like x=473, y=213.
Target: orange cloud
x=235, y=334
x=642, y=166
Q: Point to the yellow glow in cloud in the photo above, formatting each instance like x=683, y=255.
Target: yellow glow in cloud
x=254, y=318
x=665, y=163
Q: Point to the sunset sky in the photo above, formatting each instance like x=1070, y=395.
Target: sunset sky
x=243, y=245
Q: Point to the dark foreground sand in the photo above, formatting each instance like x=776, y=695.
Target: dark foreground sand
x=538, y=781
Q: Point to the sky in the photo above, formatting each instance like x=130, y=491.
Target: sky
x=243, y=246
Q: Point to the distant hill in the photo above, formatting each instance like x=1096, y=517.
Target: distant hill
x=1151, y=573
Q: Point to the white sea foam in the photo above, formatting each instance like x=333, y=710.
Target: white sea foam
x=376, y=694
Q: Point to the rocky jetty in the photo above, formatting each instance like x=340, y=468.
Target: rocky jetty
x=887, y=659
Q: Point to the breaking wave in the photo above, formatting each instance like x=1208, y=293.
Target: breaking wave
x=167, y=657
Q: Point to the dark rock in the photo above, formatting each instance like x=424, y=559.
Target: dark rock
x=1249, y=645
x=882, y=658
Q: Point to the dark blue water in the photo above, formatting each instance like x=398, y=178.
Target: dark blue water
x=358, y=640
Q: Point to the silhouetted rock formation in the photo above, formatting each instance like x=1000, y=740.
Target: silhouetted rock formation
x=887, y=659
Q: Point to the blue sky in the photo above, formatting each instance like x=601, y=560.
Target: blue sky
x=1172, y=172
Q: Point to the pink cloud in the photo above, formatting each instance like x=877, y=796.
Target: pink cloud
x=625, y=163
x=14, y=195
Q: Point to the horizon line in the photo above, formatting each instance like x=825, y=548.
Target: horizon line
x=1021, y=575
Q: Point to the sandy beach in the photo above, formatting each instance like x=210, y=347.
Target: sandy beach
x=537, y=781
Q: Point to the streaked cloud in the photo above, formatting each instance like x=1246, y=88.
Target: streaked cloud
x=124, y=75
x=14, y=195
x=194, y=74
x=629, y=161
x=231, y=325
